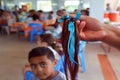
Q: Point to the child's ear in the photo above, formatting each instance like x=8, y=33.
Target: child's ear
x=55, y=61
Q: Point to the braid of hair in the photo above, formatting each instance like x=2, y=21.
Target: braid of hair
x=64, y=37
x=71, y=64
x=76, y=66
x=68, y=65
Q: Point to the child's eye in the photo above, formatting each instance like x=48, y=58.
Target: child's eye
x=33, y=66
x=43, y=65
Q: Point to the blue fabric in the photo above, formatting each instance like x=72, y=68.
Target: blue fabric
x=71, y=39
x=29, y=75
x=81, y=56
x=59, y=66
x=64, y=17
x=78, y=15
x=61, y=19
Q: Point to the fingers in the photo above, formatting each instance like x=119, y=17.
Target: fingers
x=81, y=27
x=77, y=27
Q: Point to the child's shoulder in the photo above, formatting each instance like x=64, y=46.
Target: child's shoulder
x=60, y=76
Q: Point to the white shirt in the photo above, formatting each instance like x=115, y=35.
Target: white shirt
x=57, y=56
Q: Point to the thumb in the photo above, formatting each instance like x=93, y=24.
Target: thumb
x=81, y=27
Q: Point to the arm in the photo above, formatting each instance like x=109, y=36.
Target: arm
x=113, y=36
x=91, y=29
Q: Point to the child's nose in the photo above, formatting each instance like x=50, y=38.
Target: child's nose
x=39, y=69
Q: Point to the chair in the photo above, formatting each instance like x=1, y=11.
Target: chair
x=36, y=30
x=81, y=55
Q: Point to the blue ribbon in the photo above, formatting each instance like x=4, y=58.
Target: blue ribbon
x=64, y=17
x=71, y=40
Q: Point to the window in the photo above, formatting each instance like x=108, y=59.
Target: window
x=71, y=5
x=10, y=6
x=46, y=6
x=28, y=4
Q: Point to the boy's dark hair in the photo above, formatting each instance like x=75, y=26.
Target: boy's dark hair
x=40, y=11
x=35, y=17
x=41, y=51
x=51, y=12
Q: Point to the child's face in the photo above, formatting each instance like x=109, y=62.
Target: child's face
x=42, y=67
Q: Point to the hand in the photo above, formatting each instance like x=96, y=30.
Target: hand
x=90, y=29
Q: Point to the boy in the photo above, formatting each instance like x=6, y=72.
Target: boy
x=42, y=62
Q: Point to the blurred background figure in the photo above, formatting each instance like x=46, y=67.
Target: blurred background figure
x=118, y=8
x=41, y=15
x=108, y=8
x=75, y=10
x=50, y=15
x=85, y=12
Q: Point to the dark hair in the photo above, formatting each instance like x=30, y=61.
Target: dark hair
x=32, y=10
x=49, y=39
x=64, y=9
x=40, y=11
x=51, y=12
x=85, y=11
x=35, y=17
x=41, y=51
x=59, y=12
x=68, y=65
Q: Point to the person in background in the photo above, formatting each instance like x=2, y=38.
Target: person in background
x=50, y=15
x=42, y=62
x=108, y=8
x=56, y=31
x=88, y=9
x=75, y=10
x=33, y=17
x=41, y=15
x=22, y=15
x=85, y=12
x=48, y=40
x=1, y=12
x=16, y=13
x=118, y=8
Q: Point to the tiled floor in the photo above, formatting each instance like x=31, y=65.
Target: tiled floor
x=14, y=50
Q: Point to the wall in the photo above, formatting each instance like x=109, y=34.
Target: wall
x=97, y=9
